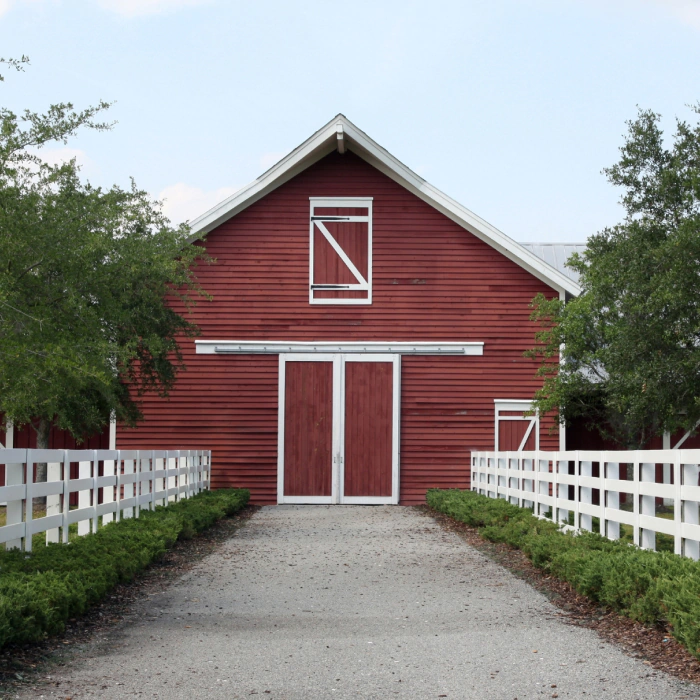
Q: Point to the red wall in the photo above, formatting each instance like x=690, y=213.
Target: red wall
x=61, y=440
x=25, y=438
x=432, y=280
x=580, y=437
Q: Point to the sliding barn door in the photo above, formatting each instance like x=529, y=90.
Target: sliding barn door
x=307, y=433
x=338, y=429
x=368, y=433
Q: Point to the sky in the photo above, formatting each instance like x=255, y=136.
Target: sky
x=511, y=107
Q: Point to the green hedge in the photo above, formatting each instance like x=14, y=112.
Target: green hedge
x=40, y=591
x=652, y=587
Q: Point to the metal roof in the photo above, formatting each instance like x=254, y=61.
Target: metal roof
x=556, y=255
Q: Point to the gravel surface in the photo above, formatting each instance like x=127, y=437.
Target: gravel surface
x=352, y=601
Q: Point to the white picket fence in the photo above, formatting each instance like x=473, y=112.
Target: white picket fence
x=111, y=485
x=557, y=484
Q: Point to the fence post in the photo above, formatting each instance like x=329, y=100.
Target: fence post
x=152, y=480
x=677, y=505
x=610, y=499
x=108, y=469
x=586, y=495
x=521, y=470
x=128, y=489
x=137, y=484
x=84, y=472
x=14, y=510
x=161, y=464
x=690, y=510
x=648, y=505
x=577, y=490
x=14, y=476
x=198, y=471
x=94, y=491
x=29, y=505
x=53, y=502
x=556, y=486
x=118, y=491
x=66, y=497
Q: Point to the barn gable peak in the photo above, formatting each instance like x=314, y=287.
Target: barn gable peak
x=341, y=135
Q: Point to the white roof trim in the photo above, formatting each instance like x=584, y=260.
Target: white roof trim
x=325, y=141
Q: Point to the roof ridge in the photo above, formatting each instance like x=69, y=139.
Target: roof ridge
x=340, y=131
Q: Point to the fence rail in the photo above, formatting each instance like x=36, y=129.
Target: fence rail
x=650, y=491
x=110, y=485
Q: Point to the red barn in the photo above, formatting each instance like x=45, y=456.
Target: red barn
x=366, y=333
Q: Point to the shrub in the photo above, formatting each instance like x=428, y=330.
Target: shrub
x=40, y=591
x=652, y=587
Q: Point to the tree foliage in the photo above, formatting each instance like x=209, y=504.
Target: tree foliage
x=630, y=342
x=87, y=277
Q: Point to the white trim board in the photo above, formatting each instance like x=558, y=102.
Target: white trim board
x=276, y=347
x=325, y=141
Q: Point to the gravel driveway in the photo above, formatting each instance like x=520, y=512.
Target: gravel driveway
x=353, y=601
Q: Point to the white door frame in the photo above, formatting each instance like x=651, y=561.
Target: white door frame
x=339, y=361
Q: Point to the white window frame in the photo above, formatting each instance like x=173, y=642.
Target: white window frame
x=338, y=466
x=317, y=227
x=516, y=405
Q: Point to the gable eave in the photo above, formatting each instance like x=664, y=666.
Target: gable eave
x=324, y=142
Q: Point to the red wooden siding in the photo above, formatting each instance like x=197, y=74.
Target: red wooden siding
x=308, y=428
x=432, y=280
x=368, y=428
x=25, y=438
x=580, y=437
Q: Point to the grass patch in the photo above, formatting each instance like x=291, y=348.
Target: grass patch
x=41, y=591
x=651, y=587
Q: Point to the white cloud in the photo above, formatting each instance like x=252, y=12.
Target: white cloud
x=267, y=160
x=127, y=8
x=56, y=156
x=183, y=202
x=135, y=8
x=7, y=5
x=686, y=10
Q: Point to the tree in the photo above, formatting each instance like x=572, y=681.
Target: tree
x=630, y=343
x=90, y=279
